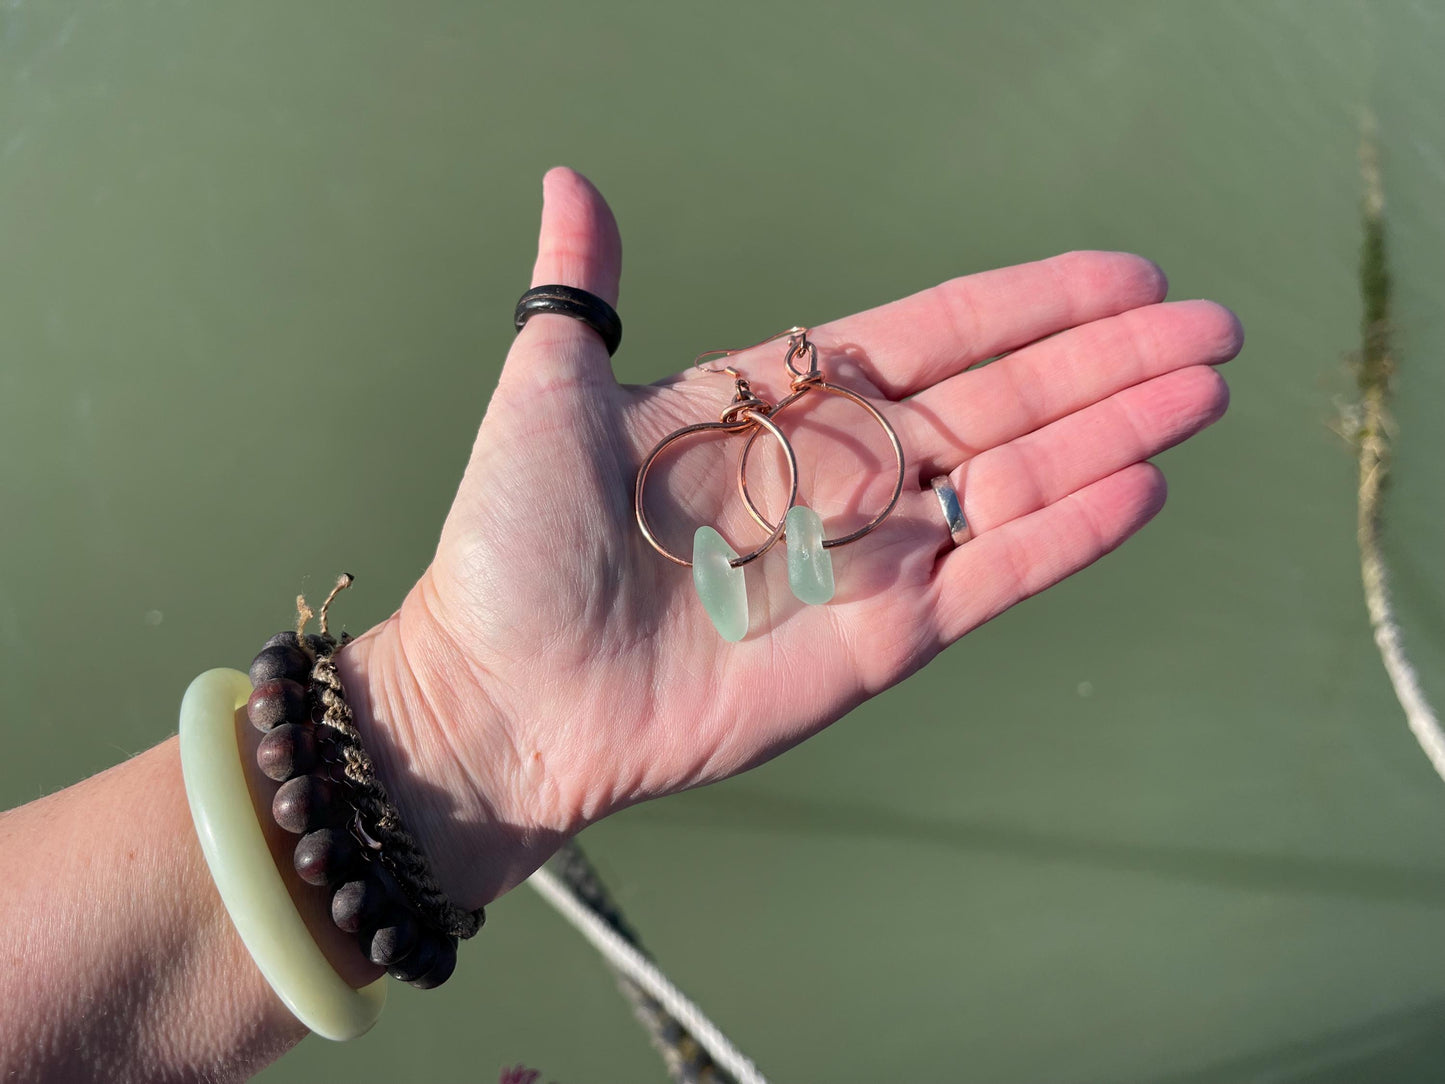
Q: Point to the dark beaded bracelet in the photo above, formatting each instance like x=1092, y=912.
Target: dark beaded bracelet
x=328, y=857
x=329, y=797
x=387, y=945
x=306, y=803
x=281, y=661
x=277, y=701
x=366, y=901
x=430, y=964
x=444, y=962
x=287, y=751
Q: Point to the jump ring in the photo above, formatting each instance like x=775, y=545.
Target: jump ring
x=751, y=418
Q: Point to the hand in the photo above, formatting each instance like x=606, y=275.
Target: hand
x=550, y=668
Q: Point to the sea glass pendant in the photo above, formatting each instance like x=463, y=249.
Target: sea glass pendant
x=810, y=566
x=720, y=586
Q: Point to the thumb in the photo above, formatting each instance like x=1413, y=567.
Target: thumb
x=579, y=246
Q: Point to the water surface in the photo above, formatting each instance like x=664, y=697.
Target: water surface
x=1164, y=824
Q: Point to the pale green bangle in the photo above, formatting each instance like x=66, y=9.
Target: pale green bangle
x=245, y=872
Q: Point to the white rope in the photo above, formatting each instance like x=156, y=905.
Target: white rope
x=1373, y=440
x=646, y=974
x=1418, y=714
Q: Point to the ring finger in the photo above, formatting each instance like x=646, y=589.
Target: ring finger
x=1045, y=466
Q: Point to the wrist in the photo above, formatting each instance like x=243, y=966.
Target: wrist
x=439, y=749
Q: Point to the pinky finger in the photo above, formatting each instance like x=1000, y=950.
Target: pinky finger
x=1006, y=565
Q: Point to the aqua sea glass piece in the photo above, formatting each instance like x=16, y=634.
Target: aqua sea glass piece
x=720, y=587
x=810, y=566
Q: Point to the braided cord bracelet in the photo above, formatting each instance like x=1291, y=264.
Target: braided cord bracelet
x=352, y=841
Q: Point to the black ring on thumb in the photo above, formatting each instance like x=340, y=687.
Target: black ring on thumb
x=578, y=304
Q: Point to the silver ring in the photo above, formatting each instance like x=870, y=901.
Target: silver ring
x=952, y=510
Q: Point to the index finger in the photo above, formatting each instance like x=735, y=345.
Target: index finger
x=912, y=343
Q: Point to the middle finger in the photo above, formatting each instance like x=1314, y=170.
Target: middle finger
x=959, y=417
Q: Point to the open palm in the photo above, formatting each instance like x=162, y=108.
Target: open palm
x=558, y=669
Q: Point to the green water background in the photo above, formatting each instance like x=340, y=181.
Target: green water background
x=257, y=263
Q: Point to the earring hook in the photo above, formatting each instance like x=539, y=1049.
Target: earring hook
x=798, y=335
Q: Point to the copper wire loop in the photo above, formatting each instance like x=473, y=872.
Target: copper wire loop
x=793, y=334
x=802, y=383
x=746, y=412
x=798, y=345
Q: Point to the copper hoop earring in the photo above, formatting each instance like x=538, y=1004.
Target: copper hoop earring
x=810, y=567
x=717, y=574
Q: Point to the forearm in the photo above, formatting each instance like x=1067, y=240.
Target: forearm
x=122, y=964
